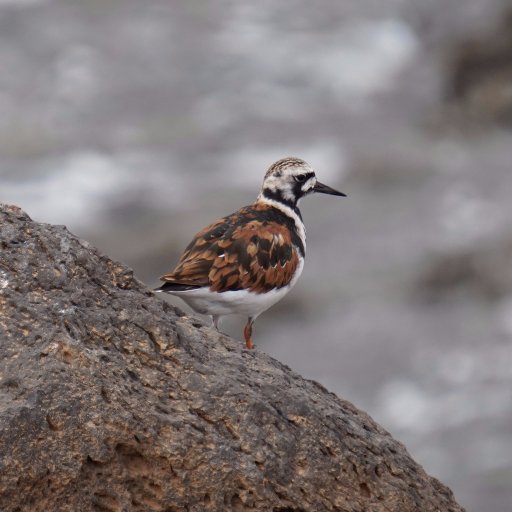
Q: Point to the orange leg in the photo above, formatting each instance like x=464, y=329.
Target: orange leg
x=248, y=334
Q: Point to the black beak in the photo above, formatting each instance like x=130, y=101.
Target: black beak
x=324, y=189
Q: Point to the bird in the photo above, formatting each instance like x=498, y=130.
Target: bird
x=247, y=261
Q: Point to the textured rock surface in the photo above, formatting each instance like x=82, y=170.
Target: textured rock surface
x=484, y=272
x=112, y=400
x=479, y=74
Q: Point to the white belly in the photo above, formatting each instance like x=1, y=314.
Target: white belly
x=238, y=302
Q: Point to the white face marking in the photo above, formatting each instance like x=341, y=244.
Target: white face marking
x=283, y=183
x=287, y=191
x=309, y=185
x=281, y=178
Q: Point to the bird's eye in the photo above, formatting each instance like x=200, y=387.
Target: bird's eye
x=300, y=178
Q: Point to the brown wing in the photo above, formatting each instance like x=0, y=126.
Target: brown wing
x=196, y=261
x=257, y=255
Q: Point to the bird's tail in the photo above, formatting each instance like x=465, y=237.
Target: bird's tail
x=169, y=287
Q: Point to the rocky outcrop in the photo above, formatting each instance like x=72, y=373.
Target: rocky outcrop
x=478, y=271
x=479, y=75
x=113, y=400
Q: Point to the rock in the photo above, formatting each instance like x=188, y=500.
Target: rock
x=479, y=75
x=481, y=271
x=113, y=400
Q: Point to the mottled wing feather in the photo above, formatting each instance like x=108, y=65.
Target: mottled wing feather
x=252, y=254
x=258, y=256
x=196, y=261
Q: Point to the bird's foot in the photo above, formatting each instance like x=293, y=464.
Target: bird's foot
x=248, y=335
x=215, y=321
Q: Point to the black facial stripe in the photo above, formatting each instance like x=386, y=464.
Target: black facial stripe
x=297, y=190
x=276, y=196
x=307, y=176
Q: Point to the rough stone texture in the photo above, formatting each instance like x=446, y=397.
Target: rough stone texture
x=112, y=400
x=482, y=271
x=479, y=74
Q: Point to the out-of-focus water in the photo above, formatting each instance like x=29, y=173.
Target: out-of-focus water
x=135, y=124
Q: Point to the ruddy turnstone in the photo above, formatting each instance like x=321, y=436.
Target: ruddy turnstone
x=246, y=262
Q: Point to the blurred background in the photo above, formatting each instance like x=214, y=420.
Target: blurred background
x=137, y=123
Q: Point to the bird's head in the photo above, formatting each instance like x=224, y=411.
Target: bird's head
x=290, y=179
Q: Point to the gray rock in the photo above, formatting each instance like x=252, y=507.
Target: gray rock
x=480, y=271
x=112, y=400
x=479, y=74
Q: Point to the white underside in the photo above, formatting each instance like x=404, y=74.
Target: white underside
x=239, y=302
